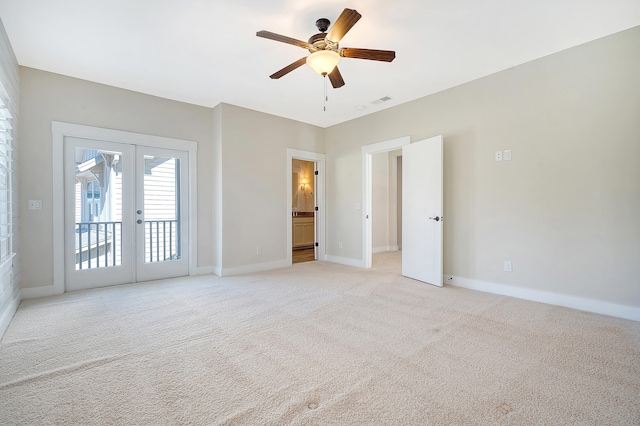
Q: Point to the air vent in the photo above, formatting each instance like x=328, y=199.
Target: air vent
x=381, y=100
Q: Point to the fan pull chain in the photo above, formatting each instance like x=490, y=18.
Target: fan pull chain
x=326, y=98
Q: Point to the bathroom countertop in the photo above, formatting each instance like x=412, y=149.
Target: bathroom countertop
x=302, y=214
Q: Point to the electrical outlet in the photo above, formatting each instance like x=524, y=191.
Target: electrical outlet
x=339, y=244
x=498, y=155
x=507, y=266
x=35, y=204
x=258, y=250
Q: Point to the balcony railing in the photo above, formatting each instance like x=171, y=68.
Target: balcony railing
x=99, y=244
x=162, y=239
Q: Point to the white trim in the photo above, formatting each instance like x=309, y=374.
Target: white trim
x=120, y=136
x=320, y=216
x=217, y=271
x=386, y=146
x=9, y=311
x=565, y=300
x=393, y=199
x=255, y=267
x=356, y=263
x=382, y=249
x=193, y=211
x=206, y=270
x=41, y=291
x=394, y=248
x=367, y=152
x=60, y=130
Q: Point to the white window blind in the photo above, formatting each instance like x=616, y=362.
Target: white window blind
x=6, y=193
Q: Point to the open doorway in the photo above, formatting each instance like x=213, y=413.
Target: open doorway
x=303, y=203
x=386, y=208
x=422, y=211
x=305, y=194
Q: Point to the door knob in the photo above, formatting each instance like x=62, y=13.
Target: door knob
x=139, y=212
x=437, y=218
x=139, y=221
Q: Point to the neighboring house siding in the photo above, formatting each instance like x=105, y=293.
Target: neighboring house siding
x=160, y=205
x=10, y=264
x=78, y=203
x=160, y=190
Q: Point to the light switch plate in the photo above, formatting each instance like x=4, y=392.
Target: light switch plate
x=507, y=155
x=507, y=266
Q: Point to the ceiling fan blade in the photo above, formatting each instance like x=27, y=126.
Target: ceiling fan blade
x=336, y=78
x=284, y=39
x=371, y=54
x=343, y=24
x=289, y=68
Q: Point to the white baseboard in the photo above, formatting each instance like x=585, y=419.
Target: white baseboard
x=574, y=302
x=380, y=249
x=256, y=267
x=357, y=263
x=206, y=270
x=35, y=292
x=9, y=311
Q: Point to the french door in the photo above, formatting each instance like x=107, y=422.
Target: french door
x=126, y=211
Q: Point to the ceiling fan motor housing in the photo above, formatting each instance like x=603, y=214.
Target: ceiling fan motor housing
x=319, y=42
x=323, y=24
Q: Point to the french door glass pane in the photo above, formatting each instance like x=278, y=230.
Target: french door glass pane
x=98, y=208
x=161, y=209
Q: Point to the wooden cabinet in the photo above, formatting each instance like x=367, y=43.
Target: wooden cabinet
x=303, y=231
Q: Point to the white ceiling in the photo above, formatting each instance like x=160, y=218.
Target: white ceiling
x=205, y=51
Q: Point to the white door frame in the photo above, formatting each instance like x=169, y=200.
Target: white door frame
x=393, y=200
x=319, y=159
x=60, y=130
x=367, y=153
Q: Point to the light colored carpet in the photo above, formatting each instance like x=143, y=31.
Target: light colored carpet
x=316, y=343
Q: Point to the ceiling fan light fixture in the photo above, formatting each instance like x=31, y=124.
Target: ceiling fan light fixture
x=323, y=61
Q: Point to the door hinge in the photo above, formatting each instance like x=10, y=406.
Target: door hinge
x=315, y=173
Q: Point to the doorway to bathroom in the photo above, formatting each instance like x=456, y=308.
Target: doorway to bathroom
x=305, y=206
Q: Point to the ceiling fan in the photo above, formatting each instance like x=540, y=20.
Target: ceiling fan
x=325, y=53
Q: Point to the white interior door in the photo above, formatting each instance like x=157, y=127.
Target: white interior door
x=126, y=213
x=422, y=211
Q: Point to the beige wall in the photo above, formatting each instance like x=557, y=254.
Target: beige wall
x=380, y=201
x=565, y=210
x=47, y=97
x=254, y=176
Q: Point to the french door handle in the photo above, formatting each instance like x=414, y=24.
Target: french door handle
x=437, y=218
x=139, y=221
